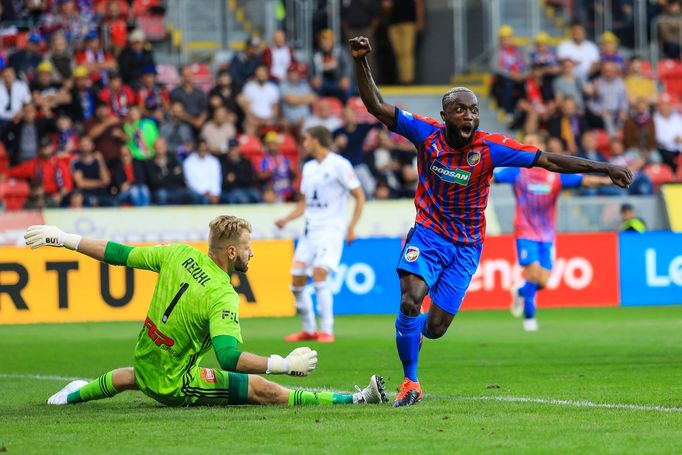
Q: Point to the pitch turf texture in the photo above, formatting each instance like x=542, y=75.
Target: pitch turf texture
x=590, y=381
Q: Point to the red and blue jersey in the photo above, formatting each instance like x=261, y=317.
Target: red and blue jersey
x=454, y=184
x=537, y=191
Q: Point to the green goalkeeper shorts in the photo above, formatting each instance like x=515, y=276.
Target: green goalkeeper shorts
x=207, y=387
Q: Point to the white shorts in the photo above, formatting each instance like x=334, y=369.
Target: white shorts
x=318, y=249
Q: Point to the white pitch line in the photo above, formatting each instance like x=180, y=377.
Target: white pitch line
x=575, y=404
x=508, y=399
x=41, y=377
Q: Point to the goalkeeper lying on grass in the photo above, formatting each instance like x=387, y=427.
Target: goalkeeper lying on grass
x=193, y=308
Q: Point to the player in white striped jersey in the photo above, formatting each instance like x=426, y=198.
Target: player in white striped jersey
x=327, y=181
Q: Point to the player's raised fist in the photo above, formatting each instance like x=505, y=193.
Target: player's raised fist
x=620, y=175
x=359, y=46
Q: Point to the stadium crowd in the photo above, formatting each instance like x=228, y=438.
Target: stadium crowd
x=88, y=117
x=598, y=100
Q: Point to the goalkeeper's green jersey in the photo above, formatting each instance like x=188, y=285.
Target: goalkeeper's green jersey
x=193, y=302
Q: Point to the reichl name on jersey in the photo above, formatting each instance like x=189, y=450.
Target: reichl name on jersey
x=197, y=272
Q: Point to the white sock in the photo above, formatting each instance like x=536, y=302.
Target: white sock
x=304, y=308
x=325, y=306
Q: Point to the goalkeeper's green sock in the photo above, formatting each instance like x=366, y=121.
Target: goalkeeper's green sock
x=300, y=397
x=101, y=387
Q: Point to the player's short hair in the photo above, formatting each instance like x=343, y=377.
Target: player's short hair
x=322, y=134
x=451, y=94
x=226, y=228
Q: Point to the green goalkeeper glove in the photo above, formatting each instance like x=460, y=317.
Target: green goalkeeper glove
x=42, y=235
x=300, y=362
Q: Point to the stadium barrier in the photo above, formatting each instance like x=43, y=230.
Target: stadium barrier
x=605, y=269
x=57, y=285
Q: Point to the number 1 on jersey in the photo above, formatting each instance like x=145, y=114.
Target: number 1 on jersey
x=169, y=310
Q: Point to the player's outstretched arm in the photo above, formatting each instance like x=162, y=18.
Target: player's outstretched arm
x=297, y=212
x=44, y=235
x=359, y=197
x=300, y=362
x=567, y=164
x=359, y=48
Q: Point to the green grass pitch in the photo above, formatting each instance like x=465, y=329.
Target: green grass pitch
x=590, y=381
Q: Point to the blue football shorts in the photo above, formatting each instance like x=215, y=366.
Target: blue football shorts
x=445, y=267
x=530, y=251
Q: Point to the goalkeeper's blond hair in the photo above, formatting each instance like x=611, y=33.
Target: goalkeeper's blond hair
x=225, y=230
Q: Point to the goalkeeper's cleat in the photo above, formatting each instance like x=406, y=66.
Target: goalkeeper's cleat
x=517, y=302
x=325, y=337
x=409, y=394
x=60, y=397
x=373, y=393
x=301, y=336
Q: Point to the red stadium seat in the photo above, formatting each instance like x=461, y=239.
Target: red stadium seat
x=361, y=111
x=670, y=74
x=659, y=174
x=14, y=194
x=335, y=103
x=167, y=76
x=4, y=160
x=647, y=70
x=203, y=76
x=603, y=142
x=252, y=148
x=153, y=26
x=143, y=7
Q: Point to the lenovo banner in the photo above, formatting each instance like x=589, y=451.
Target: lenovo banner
x=651, y=268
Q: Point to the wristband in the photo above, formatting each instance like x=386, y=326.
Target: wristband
x=71, y=241
x=277, y=365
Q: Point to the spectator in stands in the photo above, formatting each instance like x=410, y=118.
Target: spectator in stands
x=177, y=132
x=166, y=178
x=324, y=117
x=82, y=99
x=637, y=85
x=38, y=200
x=25, y=61
x=223, y=90
x=331, y=68
x=297, y=98
x=244, y=64
x=118, y=96
x=669, y=29
x=134, y=59
x=641, y=184
x=14, y=94
x=60, y=57
x=610, y=100
x=91, y=176
x=406, y=21
x=203, y=174
x=47, y=94
x=70, y=22
x=151, y=96
x=668, y=126
x=580, y=50
x=240, y=180
x=609, y=52
x=65, y=139
x=360, y=18
x=141, y=133
x=260, y=100
x=47, y=169
x=130, y=180
x=542, y=55
x=568, y=125
x=589, y=149
x=115, y=20
x=537, y=103
x=106, y=132
x=218, y=131
x=98, y=62
x=22, y=139
x=567, y=85
x=278, y=57
x=193, y=100
x=639, y=131
x=350, y=141
x=511, y=71
x=275, y=173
